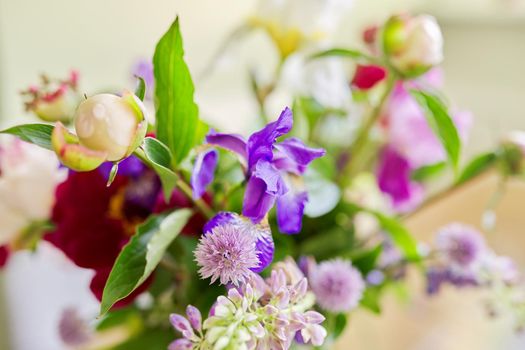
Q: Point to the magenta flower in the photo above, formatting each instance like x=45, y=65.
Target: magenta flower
x=368, y=76
x=337, y=285
x=272, y=171
x=408, y=130
x=227, y=254
x=261, y=233
x=393, y=178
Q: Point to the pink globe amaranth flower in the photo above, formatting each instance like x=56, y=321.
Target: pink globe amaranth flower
x=461, y=244
x=226, y=254
x=337, y=285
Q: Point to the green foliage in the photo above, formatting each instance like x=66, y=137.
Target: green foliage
x=140, y=90
x=366, y=261
x=141, y=255
x=400, y=235
x=441, y=123
x=339, y=325
x=428, y=172
x=340, y=52
x=38, y=134
x=158, y=157
x=476, y=166
x=178, y=123
x=371, y=298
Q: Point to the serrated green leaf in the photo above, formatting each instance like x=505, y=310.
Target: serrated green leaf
x=141, y=255
x=38, y=134
x=441, y=123
x=178, y=123
x=476, y=166
x=427, y=172
x=158, y=156
x=140, y=90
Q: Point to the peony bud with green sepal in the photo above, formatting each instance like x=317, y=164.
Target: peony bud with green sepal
x=412, y=45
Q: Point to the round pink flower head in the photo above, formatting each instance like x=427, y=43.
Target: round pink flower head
x=463, y=245
x=337, y=285
x=227, y=254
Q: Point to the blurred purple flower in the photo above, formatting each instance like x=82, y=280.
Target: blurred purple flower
x=143, y=68
x=274, y=171
x=393, y=178
x=437, y=276
x=462, y=245
x=261, y=233
x=337, y=285
x=226, y=253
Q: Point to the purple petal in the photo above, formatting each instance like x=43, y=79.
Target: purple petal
x=203, y=172
x=131, y=166
x=181, y=344
x=260, y=144
x=222, y=218
x=231, y=142
x=257, y=202
x=194, y=316
x=290, y=209
x=180, y=323
x=299, y=153
x=263, y=187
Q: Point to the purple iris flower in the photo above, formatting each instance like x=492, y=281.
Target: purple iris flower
x=273, y=171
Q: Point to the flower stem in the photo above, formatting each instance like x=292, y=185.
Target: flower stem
x=199, y=203
x=362, y=138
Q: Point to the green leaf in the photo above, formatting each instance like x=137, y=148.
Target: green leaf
x=178, y=123
x=340, y=325
x=140, y=90
x=371, y=298
x=441, y=122
x=366, y=261
x=141, y=255
x=112, y=174
x=427, y=172
x=350, y=53
x=38, y=134
x=400, y=235
x=158, y=156
x=476, y=166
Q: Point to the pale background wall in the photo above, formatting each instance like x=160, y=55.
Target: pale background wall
x=485, y=51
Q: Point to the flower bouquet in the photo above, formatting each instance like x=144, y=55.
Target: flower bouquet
x=176, y=218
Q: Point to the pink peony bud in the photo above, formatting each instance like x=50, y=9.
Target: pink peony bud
x=111, y=124
x=413, y=45
x=368, y=76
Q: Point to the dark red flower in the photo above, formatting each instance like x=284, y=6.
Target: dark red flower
x=4, y=255
x=366, y=77
x=179, y=200
x=99, y=282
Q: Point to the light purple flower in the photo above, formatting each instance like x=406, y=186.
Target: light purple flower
x=226, y=253
x=72, y=329
x=186, y=328
x=437, y=276
x=261, y=233
x=337, y=285
x=273, y=171
x=393, y=178
x=462, y=245
x=203, y=171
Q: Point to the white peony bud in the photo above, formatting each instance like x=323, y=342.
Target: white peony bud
x=111, y=124
x=413, y=45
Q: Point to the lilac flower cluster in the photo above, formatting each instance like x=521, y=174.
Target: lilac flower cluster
x=273, y=171
x=464, y=259
x=259, y=314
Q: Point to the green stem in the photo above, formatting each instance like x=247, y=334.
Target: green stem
x=361, y=140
